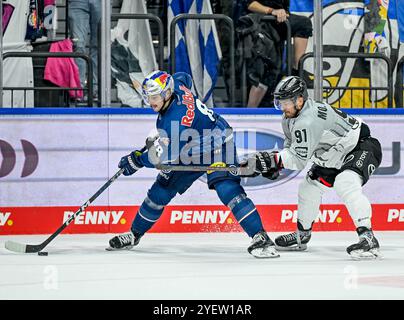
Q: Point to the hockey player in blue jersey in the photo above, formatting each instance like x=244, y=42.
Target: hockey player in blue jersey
x=180, y=110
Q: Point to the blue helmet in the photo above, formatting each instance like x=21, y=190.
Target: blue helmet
x=157, y=83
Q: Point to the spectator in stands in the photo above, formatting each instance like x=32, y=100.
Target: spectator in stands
x=301, y=30
x=84, y=17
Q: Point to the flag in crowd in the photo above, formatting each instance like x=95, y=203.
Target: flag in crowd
x=133, y=55
x=197, y=48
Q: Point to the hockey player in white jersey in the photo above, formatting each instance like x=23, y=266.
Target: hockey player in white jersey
x=343, y=153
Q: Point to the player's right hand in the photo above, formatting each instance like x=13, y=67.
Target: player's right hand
x=130, y=163
x=268, y=164
x=150, y=140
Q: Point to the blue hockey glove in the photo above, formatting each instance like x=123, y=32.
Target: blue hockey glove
x=130, y=163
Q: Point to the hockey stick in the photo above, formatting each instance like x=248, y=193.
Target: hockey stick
x=245, y=171
x=28, y=248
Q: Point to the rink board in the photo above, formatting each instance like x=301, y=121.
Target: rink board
x=52, y=163
x=117, y=219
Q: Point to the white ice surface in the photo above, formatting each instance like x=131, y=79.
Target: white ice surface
x=200, y=266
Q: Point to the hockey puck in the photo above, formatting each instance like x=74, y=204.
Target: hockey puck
x=42, y=253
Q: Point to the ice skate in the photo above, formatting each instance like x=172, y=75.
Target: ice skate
x=295, y=241
x=125, y=241
x=367, y=247
x=262, y=246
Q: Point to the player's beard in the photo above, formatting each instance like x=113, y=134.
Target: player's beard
x=295, y=111
x=290, y=115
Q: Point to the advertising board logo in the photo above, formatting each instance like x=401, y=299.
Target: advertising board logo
x=9, y=158
x=395, y=215
x=324, y=216
x=249, y=141
x=200, y=216
x=96, y=217
x=5, y=219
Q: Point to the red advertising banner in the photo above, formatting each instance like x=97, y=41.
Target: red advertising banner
x=201, y=218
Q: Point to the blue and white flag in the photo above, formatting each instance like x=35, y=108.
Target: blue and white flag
x=139, y=38
x=197, y=48
x=396, y=11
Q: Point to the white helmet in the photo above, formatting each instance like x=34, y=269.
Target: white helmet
x=157, y=83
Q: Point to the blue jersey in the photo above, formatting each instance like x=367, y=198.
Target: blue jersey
x=188, y=127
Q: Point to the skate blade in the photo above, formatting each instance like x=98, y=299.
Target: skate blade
x=372, y=254
x=119, y=249
x=295, y=247
x=265, y=253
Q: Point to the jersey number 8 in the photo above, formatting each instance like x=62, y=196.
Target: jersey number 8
x=204, y=110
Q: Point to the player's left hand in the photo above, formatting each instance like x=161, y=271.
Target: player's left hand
x=130, y=163
x=272, y=174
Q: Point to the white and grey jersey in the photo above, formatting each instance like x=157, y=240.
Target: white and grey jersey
x=320, y=133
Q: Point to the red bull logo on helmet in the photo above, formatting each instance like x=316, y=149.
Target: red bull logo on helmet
x=161, y=79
